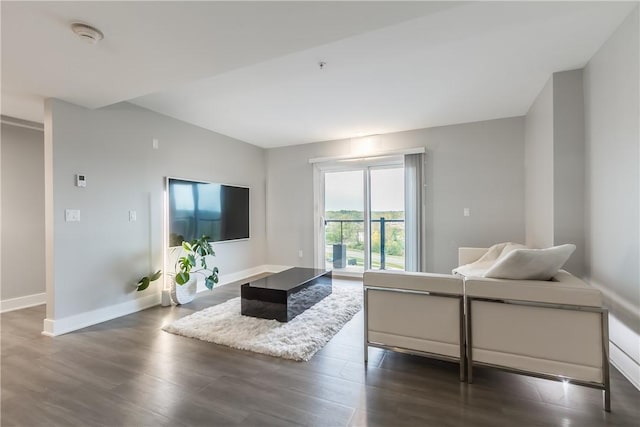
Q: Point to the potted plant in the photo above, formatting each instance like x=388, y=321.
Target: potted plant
x=193, y=261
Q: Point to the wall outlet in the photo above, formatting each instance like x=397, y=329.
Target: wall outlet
x=466, y=212
x=72, y=215
x=132, y=216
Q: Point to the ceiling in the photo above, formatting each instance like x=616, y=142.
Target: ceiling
x=250, y=69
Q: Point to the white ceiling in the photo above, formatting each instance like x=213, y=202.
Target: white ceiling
x=250, y=69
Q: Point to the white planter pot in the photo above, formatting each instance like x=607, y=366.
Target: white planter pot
x=183, y=294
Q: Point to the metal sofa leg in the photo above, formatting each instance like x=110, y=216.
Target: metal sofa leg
x=463, y=352
x=366, y=326
x=469, y=341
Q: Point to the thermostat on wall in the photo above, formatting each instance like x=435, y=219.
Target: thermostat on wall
x=81, y=180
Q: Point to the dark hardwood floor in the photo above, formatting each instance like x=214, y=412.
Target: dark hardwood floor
x=127, y=372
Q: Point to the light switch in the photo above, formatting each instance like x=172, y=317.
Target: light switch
x=466, y=212
x=132, y=216
x=155, y=143
x=300, y=253
x=72, y=215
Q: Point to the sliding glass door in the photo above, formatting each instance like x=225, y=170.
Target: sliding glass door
x=387, y=217
x=344, y=231
x=362, y=217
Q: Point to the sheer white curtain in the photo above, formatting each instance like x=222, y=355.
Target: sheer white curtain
x=414, y=186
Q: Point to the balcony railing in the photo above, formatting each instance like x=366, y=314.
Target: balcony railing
x=398, y=259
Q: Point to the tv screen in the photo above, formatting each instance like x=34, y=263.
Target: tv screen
x=216, y=210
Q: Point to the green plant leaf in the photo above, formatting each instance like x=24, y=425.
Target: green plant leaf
x=209, y=282
x=184, y=264
x=182, y=278
x=187, y=246
x=155, y=276
x=192, y=260
x=143, y=284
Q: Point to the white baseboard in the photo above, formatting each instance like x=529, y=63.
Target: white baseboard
x=22, y=302
x=64, y=325
x=624, y=350
x=626, y=365
x=624, y=342
x=55, y=327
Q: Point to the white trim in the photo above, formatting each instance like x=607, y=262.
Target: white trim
x=624, y=350
x=374, y=155
x=12, y=121
x=22, y=302
x=57, y=327
x=625, y=364
x=318, y=217
x=624, y=343
x=366, y=197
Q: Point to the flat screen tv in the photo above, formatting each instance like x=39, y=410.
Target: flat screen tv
x=216, y=210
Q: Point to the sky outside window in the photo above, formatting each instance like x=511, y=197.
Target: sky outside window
x=344, y=190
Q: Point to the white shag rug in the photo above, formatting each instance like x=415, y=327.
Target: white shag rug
x=298, y=339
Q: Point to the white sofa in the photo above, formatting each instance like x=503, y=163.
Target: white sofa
x=416, y=313
x=553, y=329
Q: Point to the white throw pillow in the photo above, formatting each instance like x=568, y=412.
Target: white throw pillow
x=486, y=261
x=531, y=264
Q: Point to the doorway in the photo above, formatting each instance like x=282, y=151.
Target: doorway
x=362, y=217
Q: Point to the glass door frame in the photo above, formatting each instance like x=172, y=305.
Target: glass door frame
x=365, y=165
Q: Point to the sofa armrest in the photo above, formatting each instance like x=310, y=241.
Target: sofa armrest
x=418, y=313
x=469, y=255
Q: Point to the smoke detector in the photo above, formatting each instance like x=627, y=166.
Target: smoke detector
x=87, y=32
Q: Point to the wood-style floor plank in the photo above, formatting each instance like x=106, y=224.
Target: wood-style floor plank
x=128, y=372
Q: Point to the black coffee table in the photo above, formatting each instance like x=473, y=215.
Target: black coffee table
x=282, y=296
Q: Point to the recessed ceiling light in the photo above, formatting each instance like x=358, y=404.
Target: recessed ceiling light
x=87, y=32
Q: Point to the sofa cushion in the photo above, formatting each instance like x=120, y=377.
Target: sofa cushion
x=531, y=264
x=564, y=288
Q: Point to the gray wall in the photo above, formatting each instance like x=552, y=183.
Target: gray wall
x=22, y=212
x=554, y=167
x=538, y=167
x=612, y=177
x=98, y=260
x=475, y=165
x=568, y=166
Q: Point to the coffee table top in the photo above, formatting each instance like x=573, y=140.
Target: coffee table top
x=288, y=279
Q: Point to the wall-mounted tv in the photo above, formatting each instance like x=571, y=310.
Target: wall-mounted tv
x=216, y=210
